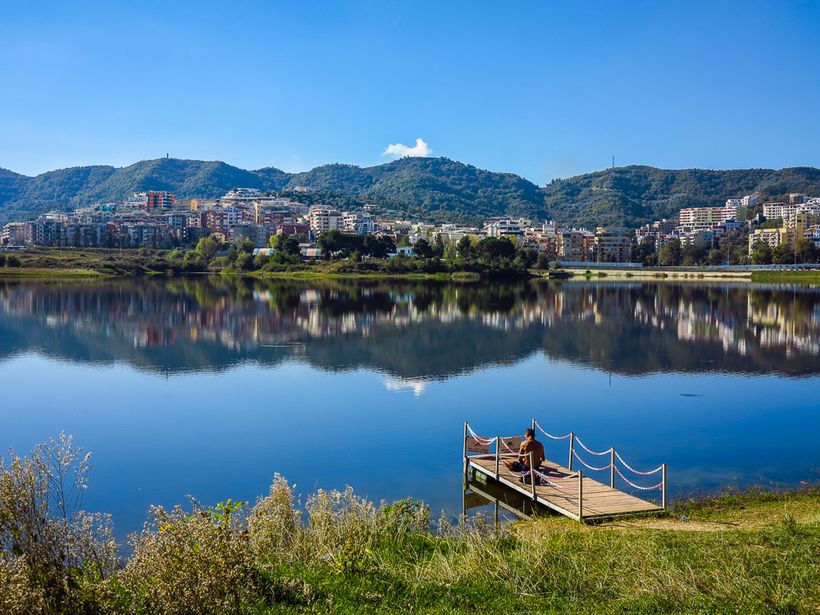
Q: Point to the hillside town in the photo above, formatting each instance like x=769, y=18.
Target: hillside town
x=156, y=219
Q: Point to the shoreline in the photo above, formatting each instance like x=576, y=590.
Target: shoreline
x=109, y=263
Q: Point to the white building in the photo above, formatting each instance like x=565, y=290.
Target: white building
x=323, y=219
x=358, y=222
x=787, y=210
x=504, y=227
x=705, y=217
x=749, y=201
x=16, y=234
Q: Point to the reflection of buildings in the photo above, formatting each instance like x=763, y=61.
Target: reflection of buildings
x=618, y=324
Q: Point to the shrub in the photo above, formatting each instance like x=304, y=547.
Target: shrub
x=43, y=527
x=197, y=562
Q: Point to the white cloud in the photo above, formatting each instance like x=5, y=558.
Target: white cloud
x=403, y=151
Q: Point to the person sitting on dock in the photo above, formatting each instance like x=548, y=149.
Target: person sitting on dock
x=528, y=445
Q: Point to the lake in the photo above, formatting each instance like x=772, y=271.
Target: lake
x=209, y=386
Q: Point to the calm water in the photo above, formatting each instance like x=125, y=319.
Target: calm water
x=208, y=387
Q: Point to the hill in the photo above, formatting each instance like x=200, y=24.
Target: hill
x=635, y=195
x=436, y=189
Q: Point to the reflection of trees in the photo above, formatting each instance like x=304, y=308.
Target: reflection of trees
x=414, y=329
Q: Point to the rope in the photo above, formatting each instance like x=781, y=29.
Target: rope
x=480, y=440
x=504, y=444
x=631, y=484
x=591, y=452
x=549, y=435
x=629, y=467
x=567, y=477
x=542, y=477
x=606, y=467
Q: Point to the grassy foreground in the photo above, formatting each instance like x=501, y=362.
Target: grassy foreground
x=754, y=552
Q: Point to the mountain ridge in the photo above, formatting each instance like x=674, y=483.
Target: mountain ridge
x=438, y=189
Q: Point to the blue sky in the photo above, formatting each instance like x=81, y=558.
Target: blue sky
x=544, y=89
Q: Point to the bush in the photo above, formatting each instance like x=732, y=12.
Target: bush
x=44, y=529
x=197, y=562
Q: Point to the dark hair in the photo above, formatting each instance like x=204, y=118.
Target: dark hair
x=529, y=431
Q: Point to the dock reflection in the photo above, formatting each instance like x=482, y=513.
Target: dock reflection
x=481, y=494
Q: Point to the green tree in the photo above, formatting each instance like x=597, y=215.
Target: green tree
x=543, y=261
x=207, y=248
x=464, y=247
x=761, y=254
x=422, y=248
x=805, y=250
x=495, y=248
x=670, y=254
x=782, y=254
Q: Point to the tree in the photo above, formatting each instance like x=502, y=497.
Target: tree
x=782, y=254
x=670, y=254
x=761, y=254
x=464, y=247
x=423, y=249
x=438, y=246
x=642, y=252
x=207, y=248
x=377, y=247
x=287, y=244
x=805, y=250
x=495, y=248
x=543, y=261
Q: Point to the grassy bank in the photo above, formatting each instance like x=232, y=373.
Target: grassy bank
x=753, y=552
x=787, y=277
x=65, y=262
x=39, y=272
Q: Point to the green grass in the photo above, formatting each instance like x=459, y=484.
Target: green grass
x=791, y=277
x=747, y=553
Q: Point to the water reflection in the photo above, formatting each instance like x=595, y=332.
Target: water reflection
x=416, y=331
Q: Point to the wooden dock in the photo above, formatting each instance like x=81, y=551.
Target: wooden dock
x=560, y=488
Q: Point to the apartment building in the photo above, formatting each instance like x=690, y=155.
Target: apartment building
x=323, y=219
x=505, y=227
x=613, y=244
x=695, y=217
x=16, y=234
x=358, y=222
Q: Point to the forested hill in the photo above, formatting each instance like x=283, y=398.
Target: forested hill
x=635, y=195
x=436, y=189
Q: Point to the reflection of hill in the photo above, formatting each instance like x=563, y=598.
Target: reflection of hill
x=413, y=330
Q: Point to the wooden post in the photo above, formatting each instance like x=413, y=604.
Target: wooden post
x=532, y=478
x=663, y=489
x=497, y=453
x=612, y=467
x=580, y=495
x=571, y=448
x=466, y=465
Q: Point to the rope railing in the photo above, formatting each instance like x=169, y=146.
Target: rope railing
x=504, y=444
x=590, y=451
x=548, y=479
x=631, y=484
x=549, y=435
x=606, y=467
x=480, y=439
x=631, y=469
